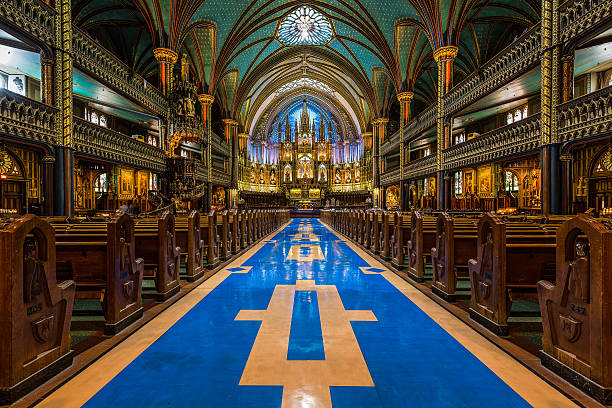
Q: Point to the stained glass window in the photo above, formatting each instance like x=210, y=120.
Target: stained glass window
x=305, y=26
x=518, y=115
x=94, y=118
x=302, y=82
x=460, y=138
x=426, y=152
x=101, y=184
x=459, y=183
x=509, y=118
x=525, y=112
x=103, y=121
x=511, y=182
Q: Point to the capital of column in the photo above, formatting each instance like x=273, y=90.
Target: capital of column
x=48, y=159
x=230, y=122
x=165, y=55
x=243, y=135
x=405, y=96
x=445, y=53
x=205, y=98
x=380, y=121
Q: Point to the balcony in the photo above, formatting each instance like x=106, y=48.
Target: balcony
x=587, y=117
x=390, y=144
x=421, y=123
x=103, y=65
x=390, y=177
x=219, y=145
x=26, y=118
x=424, y=166
x=96, y=141
x=578, y=17
x=511, y=140
x=220, y=177
x=33, y=16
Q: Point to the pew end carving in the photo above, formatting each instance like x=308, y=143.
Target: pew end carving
x=577, y=311
x=35, y=311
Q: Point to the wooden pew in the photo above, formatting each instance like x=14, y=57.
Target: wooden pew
x=223, y=231
x=399, y=240
x=506, y=263
x=189, y=236
x=209, y=231
x=156, y=244
x=234, y=231
x=35, y=309
x=102, y=262
x=455, y=244
x=422, y=236
x=377, y=231
x=387, y=234
x=244, y=229
x=577, y=309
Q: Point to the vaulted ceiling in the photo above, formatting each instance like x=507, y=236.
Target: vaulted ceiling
x=377, y=47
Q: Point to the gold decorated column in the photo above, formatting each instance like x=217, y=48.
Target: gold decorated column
x=47, y=70
x=207, y=101
x=166, y=58
x=231, y=130
x=444, y=56
x=404, y=99
x=380, y=129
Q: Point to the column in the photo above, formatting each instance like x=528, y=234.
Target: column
x=231, y=130
x=207, y=101
x=404, y=99
x=380, y=128
x=166, y=58
x=47, y=72
x=63, y=196
x=566, y=184
x=48, y=168
x=444, y=56
x=567, y=78
x=549, y=96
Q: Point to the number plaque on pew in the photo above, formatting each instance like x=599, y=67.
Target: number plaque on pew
x=35, y=310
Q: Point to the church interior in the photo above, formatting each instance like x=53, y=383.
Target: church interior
x=306, y=203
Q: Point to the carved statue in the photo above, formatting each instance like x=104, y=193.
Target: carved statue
x=33, y=271
x=579, y=273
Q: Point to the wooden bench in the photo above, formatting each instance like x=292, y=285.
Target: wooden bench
x=234, y=231
x=506, y=263
x=190, y=239
x=35, y=309
x=101, y=260
x=209, y=232
x=577, y=309
x=422, y=237
x=223, y=231
x=156, y=244
x=399, y=240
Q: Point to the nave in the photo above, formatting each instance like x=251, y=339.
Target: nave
x=306, y=319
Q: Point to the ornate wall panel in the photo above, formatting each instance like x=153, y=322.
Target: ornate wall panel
x=99, y=62
x=586, y=117
x=578, y=17
x=516, y=59
x=26, y=118
x=421, y=123
x=92, y=140
x=421, y=167
x=517, y=138
x=32, y=16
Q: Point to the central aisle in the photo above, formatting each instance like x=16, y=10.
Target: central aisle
x=306, y=321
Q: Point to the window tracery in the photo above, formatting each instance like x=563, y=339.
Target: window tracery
x=305, y=26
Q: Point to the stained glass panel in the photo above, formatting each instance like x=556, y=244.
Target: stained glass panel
x=305, y=26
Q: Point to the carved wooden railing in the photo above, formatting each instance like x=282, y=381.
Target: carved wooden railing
x=390, y=177
x=33, y=16
x=585, y=117
x=514, y=60
x=421, y=123
x=102, y=64
x=517, y=138
x=421, y=167
x=96, y=141
x=220, y=177
x=390, y=144
x=26, y=118
x=219, y=145
x=579, y=17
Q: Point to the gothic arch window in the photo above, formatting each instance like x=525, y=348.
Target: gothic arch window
x=322, y=174
x=305, y=26
x=512, y=183
x=101, y=183
x=509, y=118
x=287, y=176
x=103, y=121
x=458, y=183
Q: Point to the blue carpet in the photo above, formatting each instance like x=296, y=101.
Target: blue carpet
x=199, y=361
x=305, y=338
